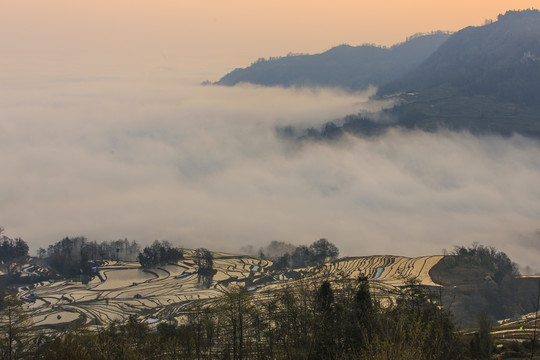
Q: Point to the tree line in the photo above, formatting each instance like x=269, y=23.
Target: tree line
x=160, y=252
x=11, y=248
x=290, y=256
x=481, y=278
x=76, y=256
x=317, y=320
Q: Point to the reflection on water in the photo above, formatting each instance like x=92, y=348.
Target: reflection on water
x=124, y=277
x=205, y=278
x=56, y=318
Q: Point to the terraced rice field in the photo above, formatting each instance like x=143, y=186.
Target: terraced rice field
x=521, y=329
x=386, y=273
x=124, y=289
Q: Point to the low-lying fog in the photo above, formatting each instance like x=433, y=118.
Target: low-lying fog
x=160, y=158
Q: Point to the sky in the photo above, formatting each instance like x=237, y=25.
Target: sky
x=105, y=132
x=211, y=37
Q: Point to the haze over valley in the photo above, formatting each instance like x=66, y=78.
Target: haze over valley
x=203, y=165
x=154, y=155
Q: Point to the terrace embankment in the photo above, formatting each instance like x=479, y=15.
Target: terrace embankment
x=125, y=289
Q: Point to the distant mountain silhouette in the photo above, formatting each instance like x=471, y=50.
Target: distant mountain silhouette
x=342, y=66
x=501, y=59
x=485, y=80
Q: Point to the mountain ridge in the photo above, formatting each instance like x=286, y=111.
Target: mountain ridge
x=349, y=67
x=484, y=80
x=500, y=59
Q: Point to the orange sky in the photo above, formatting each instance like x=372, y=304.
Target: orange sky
x=216, y=35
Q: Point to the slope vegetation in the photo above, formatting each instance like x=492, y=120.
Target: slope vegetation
x=501, y=59
x=342, y=66
x=482, y=79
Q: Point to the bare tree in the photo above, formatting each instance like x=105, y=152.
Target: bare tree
x=534, y=337
x=14, y=341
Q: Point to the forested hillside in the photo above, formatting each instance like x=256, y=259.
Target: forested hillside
x=483, y=79
x=500, y=59
x=343, y=66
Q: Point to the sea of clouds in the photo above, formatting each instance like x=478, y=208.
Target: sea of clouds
x=159, y=157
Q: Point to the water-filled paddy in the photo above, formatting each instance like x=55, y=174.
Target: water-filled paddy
x=128, y=290
x=123, y=278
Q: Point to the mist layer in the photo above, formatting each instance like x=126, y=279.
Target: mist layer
x=159, y=158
